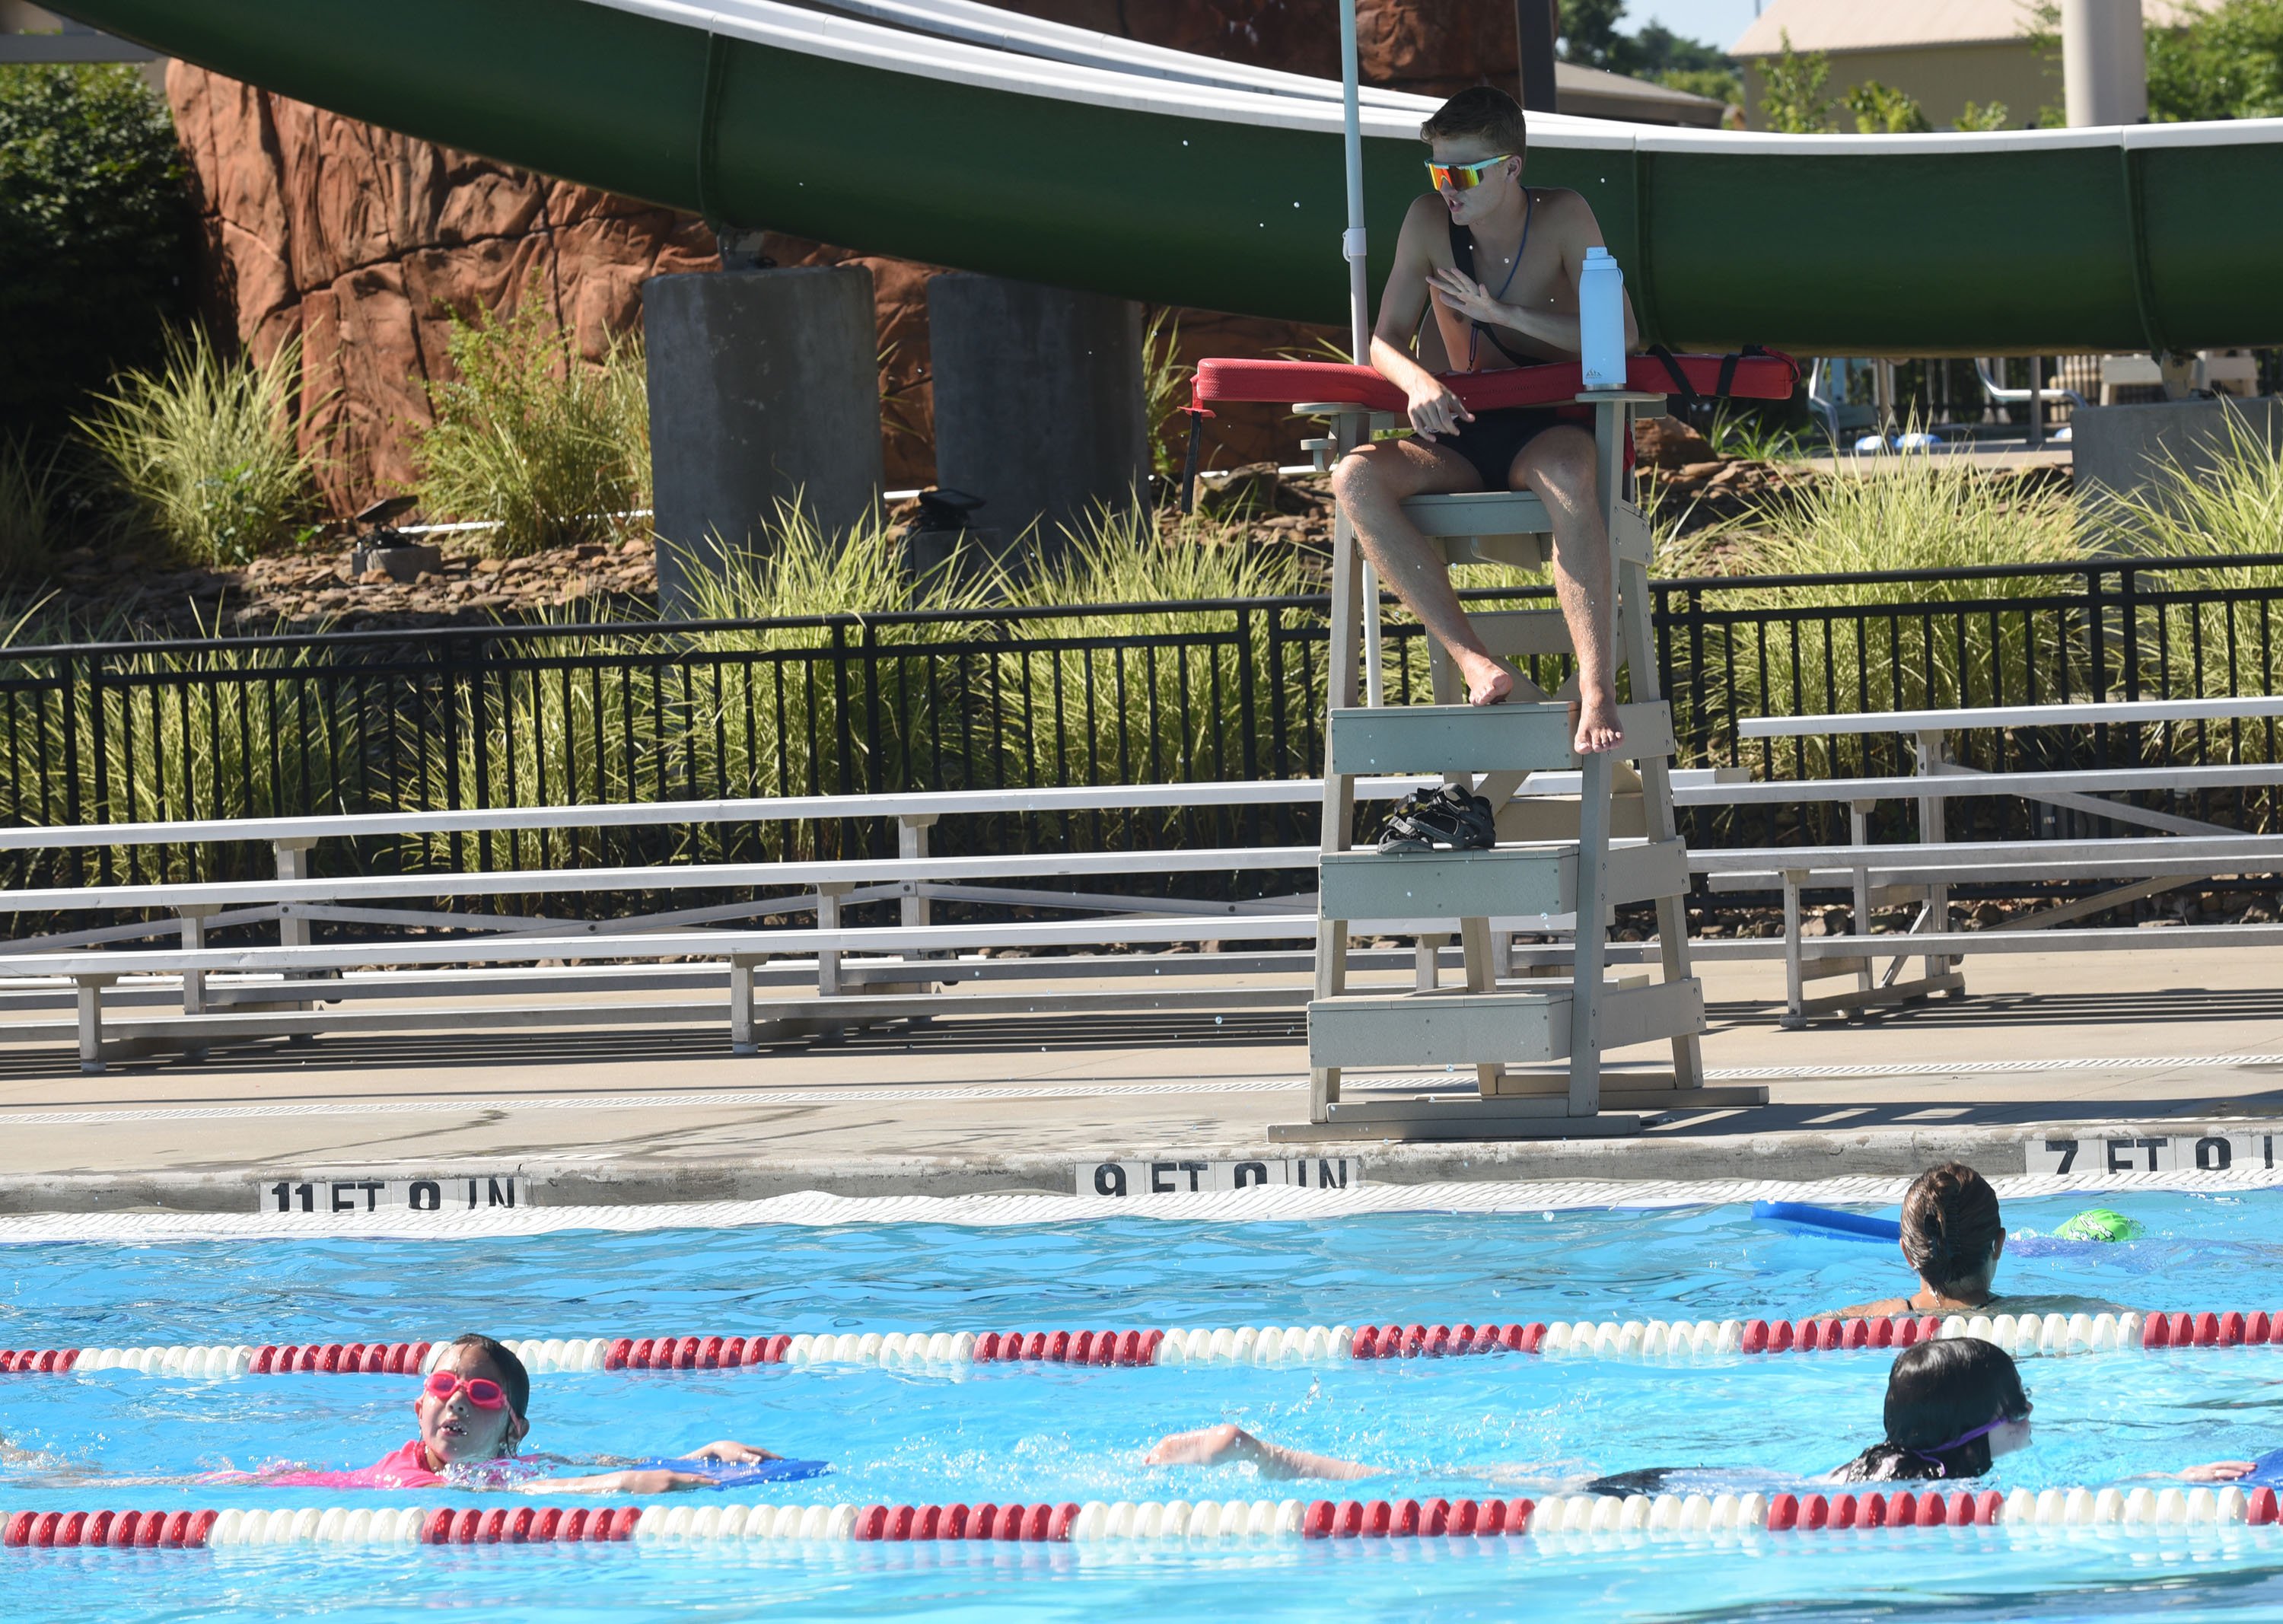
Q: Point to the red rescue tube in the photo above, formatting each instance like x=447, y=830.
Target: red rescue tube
x=1492, y=1520
x=620, y=1354
x=1464, y=1516
x=1756, y=1337
x=1218, y=379
x=1316, y=1525
x=2263, y=1508
x=1783, y=1511
x=1058, y=1527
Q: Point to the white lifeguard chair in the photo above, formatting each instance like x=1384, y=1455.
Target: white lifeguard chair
x=1550, y=860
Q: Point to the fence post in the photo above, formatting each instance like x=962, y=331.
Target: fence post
x=875, y=747
x=2128, y=616
x=2097, y=629
x=843, y=736
x=1249, y=753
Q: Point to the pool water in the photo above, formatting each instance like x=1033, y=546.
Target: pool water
x=1476, y=1426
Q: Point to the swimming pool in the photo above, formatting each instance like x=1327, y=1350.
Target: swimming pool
x=1501, y=1426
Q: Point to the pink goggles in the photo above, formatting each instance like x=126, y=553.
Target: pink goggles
x=482, y=1391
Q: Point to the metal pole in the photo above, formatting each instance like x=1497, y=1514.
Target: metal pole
x=1352, y=246
x=1351, y=241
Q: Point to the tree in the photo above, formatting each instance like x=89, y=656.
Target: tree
x=1881, y=110
x=2226, y=62
x=1589, y=33
x=1980, y=116
x=1792, y=101
x=95, y=235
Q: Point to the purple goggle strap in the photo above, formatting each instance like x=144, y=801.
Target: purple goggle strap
x=1937, y=1451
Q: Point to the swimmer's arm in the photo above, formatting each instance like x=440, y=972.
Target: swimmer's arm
x=656, y=1481
x=1223, y=1445
x=2215, y=1471
x=1886, y=1308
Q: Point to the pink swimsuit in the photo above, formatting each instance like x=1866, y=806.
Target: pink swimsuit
x=402, y=1468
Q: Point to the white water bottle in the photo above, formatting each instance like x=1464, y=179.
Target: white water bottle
x=1602, y=320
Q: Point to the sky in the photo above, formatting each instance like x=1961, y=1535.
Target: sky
x=1716, y=22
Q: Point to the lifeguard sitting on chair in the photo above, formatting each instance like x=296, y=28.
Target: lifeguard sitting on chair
x=1501, y=261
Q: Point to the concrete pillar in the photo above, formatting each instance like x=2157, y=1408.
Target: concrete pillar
x=764, y=387
x=2104, y=62
x=1037, y=403
x=2126, y=449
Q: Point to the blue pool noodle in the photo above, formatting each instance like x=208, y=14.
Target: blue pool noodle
x=1848, y=1226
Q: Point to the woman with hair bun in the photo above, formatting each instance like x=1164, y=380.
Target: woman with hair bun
x=1952, y=1238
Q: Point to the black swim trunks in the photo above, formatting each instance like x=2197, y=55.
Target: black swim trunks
x=1495, y=437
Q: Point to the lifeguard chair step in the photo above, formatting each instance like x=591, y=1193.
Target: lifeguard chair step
x=1490, y=1028
x=1505, y=882
x=1516, y=737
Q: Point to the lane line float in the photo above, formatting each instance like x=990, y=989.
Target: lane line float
x=1680, y=1516
x=2029, y=1335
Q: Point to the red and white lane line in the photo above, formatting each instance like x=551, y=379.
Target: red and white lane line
x=2050, y=1335
x=1046, y=1522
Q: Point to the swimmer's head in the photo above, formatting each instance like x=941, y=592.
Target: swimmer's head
x=1951, y=1231
x=1953, y=1406
x=457, y=1423
x=1474, y=125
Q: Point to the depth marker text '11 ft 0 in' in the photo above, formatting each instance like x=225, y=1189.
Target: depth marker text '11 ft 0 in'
x=1176, y=1175
x=325, y=1197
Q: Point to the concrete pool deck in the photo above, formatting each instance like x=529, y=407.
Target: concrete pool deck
x=2101, y=1045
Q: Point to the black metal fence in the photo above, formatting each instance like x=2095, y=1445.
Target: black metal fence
x=1124, y=693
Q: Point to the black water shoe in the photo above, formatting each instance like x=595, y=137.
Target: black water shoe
x=1446, y=819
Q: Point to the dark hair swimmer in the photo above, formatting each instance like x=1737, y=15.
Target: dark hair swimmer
x=1952, y=1237
x=1953, y=1406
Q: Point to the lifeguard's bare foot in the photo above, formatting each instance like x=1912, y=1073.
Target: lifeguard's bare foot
x=1597, y=725
x=1488, y=683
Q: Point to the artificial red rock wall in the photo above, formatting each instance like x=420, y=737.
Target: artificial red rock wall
x=364, y=242
x=1431, y=47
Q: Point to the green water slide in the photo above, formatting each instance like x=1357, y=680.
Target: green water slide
x=945, y=131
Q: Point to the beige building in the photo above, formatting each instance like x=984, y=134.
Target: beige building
x=1944, y=53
